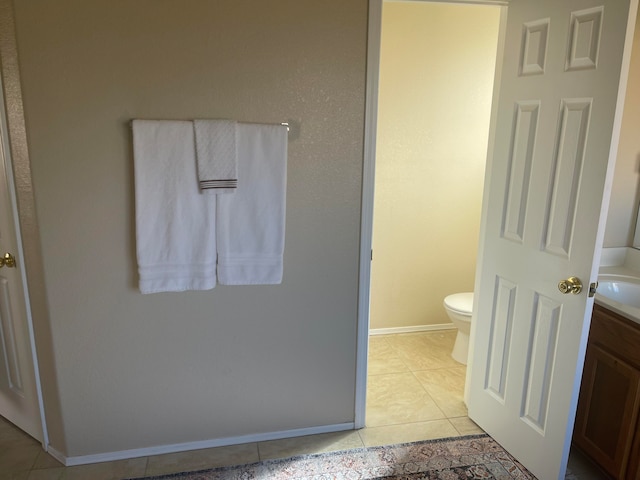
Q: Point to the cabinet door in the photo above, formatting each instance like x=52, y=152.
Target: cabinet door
x=607, y=410
x=633, y=469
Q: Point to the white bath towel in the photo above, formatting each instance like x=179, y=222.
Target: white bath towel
x=175, y=224
x=250, y=223
x=216, y=154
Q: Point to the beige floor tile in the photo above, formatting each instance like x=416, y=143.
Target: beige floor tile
x=326, y=442
x=378, y=344
x=465, y=426
x=13, y=475
x=410, y=432
x=45, y=460
x=406, y=339
x=384, y=365
x=106, y=471
x=18, y=459
x=383, y=358
x=12, y=437
x=202, y=459
x=46, y=474
x=425, y=351
x=446, y=387
x=445, y=338
x=581, y=467
x=398, y=398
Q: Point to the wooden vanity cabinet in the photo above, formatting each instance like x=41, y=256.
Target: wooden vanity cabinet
x=633, y=469
x=606, y=427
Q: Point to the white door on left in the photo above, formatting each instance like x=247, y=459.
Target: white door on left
x=19, y=402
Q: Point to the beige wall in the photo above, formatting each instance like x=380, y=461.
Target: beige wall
x=625, y=195
x=135, y=371
x=436, y=80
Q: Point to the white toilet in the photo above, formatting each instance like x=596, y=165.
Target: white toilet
x=459, y=307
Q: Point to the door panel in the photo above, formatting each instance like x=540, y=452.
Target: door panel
x=567, y=167
x=501, y=326
x=520, y=159
x=553, y=127
x=19, y=401
x=8, y=346
x=540, y=359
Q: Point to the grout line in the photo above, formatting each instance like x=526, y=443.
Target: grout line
x=146, y=466
x=33, y=463
x=260, y=459
x=454, y=427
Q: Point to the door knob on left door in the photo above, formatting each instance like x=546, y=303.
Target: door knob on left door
x=8, y=261
x=570, y=285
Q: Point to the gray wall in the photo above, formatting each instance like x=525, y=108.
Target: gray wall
x=133, y=371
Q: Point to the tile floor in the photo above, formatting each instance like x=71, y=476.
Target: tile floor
x=414, y=393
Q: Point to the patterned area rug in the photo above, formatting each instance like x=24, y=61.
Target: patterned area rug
x=471, y=457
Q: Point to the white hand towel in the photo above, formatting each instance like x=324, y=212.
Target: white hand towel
x=216, y=154
x=250, y=223
x=175, y=225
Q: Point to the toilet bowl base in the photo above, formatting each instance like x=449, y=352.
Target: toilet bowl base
x=461, y=348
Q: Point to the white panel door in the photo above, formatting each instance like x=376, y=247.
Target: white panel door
x=553, y=127
x=19, y=402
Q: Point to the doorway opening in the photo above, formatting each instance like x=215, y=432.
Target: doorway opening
x=370, y=150
x=437, y=65
x=532, y=28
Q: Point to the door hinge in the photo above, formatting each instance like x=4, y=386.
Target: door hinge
x=372, y=254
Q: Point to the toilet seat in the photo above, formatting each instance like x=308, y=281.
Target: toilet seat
x=461, y=303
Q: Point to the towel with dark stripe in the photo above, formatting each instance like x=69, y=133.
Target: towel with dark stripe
x=216, y=155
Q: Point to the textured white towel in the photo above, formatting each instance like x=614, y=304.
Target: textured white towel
x=250, y=223
x=216, y=153
x=175, y=225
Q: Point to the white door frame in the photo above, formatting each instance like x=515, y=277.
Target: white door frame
x=368, y=186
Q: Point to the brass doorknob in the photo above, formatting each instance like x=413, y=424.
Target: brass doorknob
x=570, y=285
x=8, y=261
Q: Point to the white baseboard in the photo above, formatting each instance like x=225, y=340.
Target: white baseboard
x=183, y=447
x=412, y=329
